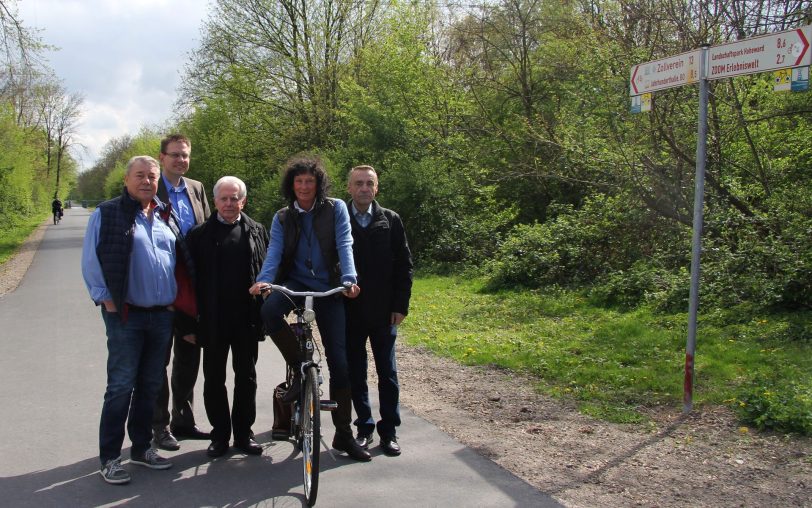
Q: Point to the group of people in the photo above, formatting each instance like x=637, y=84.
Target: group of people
x=176, y=281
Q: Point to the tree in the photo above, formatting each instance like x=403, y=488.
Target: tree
x=284, y=56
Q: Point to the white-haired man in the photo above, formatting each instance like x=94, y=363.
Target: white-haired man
x=228, y=250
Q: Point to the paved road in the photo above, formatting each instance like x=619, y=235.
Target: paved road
x=52, y=377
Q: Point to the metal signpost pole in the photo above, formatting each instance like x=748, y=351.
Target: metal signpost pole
x=781, y=50
x=699, y=201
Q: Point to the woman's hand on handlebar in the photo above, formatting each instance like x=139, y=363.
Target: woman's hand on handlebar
x=352, y=291
x=258, y=288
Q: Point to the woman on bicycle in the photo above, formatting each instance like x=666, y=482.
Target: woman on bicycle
x=311, y=250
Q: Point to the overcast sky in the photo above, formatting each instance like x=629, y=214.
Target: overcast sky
x=125, y=57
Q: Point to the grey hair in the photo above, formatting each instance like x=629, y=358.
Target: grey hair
x=144, y=159
x=234, y=181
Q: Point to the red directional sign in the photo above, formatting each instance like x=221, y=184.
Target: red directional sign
x=770, y=52
x=669, y=72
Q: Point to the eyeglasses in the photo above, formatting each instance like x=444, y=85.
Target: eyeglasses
x=179, y=155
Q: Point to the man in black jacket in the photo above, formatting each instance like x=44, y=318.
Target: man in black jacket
x=384, y=265
x=228, y=250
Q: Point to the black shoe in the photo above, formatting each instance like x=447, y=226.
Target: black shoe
x=189, y=432
x=350, y=446
x=364, y=440
x=390, y=446
x=293, y=392
x=217, y=448
x=164, y=440
x=248, y=446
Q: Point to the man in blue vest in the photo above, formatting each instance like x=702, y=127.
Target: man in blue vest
x=384, y=265
x=128, y=264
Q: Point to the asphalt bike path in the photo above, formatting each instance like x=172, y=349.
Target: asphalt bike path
x=52, y=380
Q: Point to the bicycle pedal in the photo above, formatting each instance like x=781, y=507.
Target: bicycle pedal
x=328, y=405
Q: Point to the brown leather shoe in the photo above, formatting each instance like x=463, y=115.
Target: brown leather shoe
x=350, y=446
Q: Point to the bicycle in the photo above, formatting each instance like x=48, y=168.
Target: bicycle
x=57, y=216
x=305, y=424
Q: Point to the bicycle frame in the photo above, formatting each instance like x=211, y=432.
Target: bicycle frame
x=305, y=419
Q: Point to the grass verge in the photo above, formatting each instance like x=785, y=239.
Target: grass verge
x=13, y=235
x=615, y=363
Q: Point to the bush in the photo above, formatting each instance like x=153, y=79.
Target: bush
x=748, y=262
x=644, y=282
x=580, y=246
x=770, y=403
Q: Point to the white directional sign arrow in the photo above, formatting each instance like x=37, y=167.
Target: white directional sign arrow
x=669, y=72
x=780, y=50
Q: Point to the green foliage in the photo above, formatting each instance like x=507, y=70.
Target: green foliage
x=782, y=404
x=146, y=142
x=644, y=282
x=12, y=237
x=25, y=190
x=615, y=362
x=578, y=246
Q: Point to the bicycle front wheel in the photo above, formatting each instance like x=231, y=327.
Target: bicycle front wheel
x=311, y=434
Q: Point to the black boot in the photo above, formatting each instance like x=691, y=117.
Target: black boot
x=288, y=345
x=294, y=388
x=342, y=417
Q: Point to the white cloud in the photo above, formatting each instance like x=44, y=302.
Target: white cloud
x=126, y=58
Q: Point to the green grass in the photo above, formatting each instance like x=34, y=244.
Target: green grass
x=12, y=236
x=613, y=362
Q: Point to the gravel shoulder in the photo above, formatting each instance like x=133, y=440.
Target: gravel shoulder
x=703, y=459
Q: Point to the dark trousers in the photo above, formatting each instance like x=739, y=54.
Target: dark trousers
x=185, y=366
x=330, y=320
x=243, y=413
x=382, y=343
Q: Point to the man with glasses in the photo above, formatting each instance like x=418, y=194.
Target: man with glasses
x=189, y=202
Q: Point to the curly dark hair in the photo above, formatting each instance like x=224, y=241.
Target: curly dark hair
x=304, y=164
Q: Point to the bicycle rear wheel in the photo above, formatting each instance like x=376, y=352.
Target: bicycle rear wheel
x=311, y=434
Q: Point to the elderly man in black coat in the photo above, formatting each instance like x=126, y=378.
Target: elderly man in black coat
x=384, y=265
x=228, y=250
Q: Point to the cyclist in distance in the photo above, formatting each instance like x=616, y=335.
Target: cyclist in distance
x=56, y=208
x=310, y=249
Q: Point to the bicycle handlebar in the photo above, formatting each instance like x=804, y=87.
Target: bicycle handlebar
x=290, y=292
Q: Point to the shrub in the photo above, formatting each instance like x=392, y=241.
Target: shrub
x=644, y=282
x=579, y=246
x=769, y=403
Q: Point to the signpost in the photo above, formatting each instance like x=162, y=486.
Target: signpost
x=772, y=52
x=666, y=73
x=781, y=50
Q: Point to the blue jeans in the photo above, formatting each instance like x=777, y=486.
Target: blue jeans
x=382, y=342
x=136, y=350
x=330, y=319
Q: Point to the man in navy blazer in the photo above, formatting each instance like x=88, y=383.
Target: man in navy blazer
x=189, y=202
